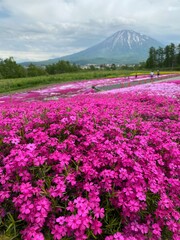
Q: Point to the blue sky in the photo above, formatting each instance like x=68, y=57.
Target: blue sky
x=43, y=29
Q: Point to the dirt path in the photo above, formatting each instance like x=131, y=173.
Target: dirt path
x=134, y=83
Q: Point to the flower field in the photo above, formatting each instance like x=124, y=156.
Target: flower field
x=94, y=166
x=169, y=89
x=72, y=89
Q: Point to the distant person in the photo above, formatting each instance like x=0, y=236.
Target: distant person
x=136, y=75
x=152, y=74
x=158, y=73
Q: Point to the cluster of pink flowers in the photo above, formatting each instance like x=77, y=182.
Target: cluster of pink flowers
x=169, y=89
x=95, y=166
x=65, y=90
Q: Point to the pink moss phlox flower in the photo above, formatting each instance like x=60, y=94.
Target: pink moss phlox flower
x=71, y=178
x=31, y=146
x=32, y=232
x=69, y=167
x=156, y=230
x=60, y=187
x=96, y=227
x=71, y=206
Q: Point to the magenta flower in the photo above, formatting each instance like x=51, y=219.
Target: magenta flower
x=96, y=227
x=156, y=230
x=77, y=166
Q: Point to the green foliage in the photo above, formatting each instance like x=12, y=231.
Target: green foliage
x=10, y=69
x=113, y=66
x=12, y=226
x=166, y=234
x=61, y=67
x=152, y=201
x=112, y=222
x=33, y=71
x=92, y=67
x=151, y=61
x=167, y=57
x=178, y=55
x=160, y=57
x=3, y=237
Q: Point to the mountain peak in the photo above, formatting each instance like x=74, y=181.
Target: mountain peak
x=129, y=39
x=125, y=31
x=123, y=47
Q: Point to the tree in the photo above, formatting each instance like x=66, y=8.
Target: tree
x=33, y=71
x=178, y=55
x=172, y=55
x=169, y=52
x=113, y=66
x=61, y=67
x=92, y=67
x=160, y=57
x=151, y=61
x=10, y=69
x=168, y=57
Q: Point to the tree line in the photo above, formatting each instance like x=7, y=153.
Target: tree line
x=160, y=58
x=10, y=69
x=167, y=57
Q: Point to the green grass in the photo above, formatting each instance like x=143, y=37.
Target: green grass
x=4, y=237
x=20, y=84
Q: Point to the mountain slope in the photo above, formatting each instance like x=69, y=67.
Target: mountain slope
x=124, y=47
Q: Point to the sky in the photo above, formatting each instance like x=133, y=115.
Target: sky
x=34, y=30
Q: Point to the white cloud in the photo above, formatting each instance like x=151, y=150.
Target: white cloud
x=60, y=27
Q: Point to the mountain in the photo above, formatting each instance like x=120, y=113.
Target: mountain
x=123, y=47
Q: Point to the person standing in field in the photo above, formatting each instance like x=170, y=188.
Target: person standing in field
x=152, y=74
x=158, y=73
